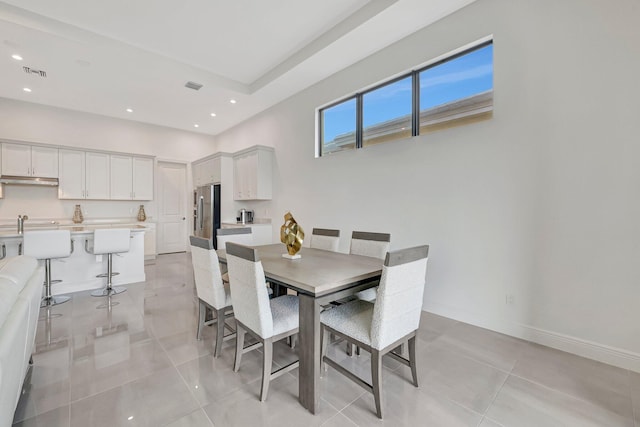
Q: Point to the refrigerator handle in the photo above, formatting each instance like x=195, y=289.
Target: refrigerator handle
x=201, y=212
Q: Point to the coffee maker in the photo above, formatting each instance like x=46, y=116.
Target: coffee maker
x=245, y=216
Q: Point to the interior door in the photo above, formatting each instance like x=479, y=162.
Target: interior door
x=171, y=197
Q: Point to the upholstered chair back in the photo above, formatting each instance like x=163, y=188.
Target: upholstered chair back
x=206, y=272
x=397, y=309
x=249, y=290
x=325, y=239
x=47, y=244
x=374, y=245
x=111, y=240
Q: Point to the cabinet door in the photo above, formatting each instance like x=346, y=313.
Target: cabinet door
x=203, y=173
x=216, y=170
x=97, y=176
x=121, y=177
x=250, y=171
x=142, y=178
x=44, y=162
x=196, y=168
x=16, y=159
x=238, y=178
x=72, y=172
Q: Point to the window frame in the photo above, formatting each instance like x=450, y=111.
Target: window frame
x=415, y=95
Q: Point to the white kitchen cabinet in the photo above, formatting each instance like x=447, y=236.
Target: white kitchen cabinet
x=131, y=178
x=83, y=175
x=261, y=233
x=121, y=178
x=27, y=160
x=97, y=175
x=207, y=171
x=150, y=251
x=142, y=178
x=252, y=172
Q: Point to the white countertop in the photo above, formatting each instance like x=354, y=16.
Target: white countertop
x=9, y=230
x=257, y=221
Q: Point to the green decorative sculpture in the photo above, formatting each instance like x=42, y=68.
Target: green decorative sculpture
x=292, y=235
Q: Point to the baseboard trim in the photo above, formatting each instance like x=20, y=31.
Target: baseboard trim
x=592, y=350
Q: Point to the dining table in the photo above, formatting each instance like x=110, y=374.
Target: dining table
x=319, y=277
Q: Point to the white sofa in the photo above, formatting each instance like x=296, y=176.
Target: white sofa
x=20, y=293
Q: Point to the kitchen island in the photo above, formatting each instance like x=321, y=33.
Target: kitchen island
x=78, y=272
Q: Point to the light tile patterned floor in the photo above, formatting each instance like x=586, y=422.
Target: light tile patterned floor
x=137, y=363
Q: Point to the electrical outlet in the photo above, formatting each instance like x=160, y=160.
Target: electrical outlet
x=510, y=299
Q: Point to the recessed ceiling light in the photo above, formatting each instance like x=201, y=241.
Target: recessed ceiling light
x=213, y=114
x=26, y=89
x=233, y=101
x=129, y=110
x=196, y=125
x=17, y=57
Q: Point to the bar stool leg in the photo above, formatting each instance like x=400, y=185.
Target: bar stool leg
x=109, y=290
x=50, y=300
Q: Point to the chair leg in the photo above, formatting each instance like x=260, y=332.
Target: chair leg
x=376, y=380
x=267, y=359
x=325, y=337
x=350, y=349
x=239, y=346
x=291, y=341
x=412, y=360
x=202, y=313
x=220, y=333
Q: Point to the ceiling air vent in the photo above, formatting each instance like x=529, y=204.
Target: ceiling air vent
x=29, y=70
x=193, y=85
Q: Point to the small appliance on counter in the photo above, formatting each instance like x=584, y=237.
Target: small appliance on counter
x=245, y=216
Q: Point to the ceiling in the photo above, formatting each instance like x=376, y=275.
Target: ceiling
x=105, y=57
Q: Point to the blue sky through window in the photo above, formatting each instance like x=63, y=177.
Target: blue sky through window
x=456, y=79
x=459, y=78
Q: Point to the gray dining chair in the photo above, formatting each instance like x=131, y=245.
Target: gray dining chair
x=325, y=239
x=212, y=293
x=267, y=320
x=382, y=326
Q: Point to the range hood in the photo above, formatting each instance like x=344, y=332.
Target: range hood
x=28, y=180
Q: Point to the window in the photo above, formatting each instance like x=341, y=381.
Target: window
x=454, y=91
x=338, y=127
x=386, y=112
x=457, y=91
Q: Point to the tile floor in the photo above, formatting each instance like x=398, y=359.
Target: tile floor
x=137, y=363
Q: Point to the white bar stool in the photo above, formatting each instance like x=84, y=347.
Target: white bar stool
x=108, y=242
x=47, y=245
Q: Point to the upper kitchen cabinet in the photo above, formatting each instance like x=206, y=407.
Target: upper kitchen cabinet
x=142, y=178
x=83, y=175
x=27, y=160
x=252, y=173
x=208, y=170
x=131, y=178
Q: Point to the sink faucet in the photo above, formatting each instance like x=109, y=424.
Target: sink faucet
x=21, y=219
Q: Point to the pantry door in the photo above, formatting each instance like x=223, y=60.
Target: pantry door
x=172, y=201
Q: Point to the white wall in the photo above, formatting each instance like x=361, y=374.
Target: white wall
x=34, y=123
x=541, y=202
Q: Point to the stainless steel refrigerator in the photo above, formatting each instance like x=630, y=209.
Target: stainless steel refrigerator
x=207, y=212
